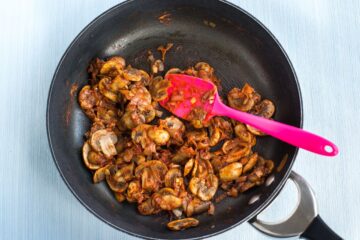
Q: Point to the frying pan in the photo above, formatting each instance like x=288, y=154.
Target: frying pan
x=240, y=49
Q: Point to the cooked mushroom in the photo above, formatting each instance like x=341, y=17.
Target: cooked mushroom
x=173, y=71
x=235, y=149
x=244, y=99
x=265, y=109
x=230, y=172
x=172, y=176
x=157, y=66
x=134, y=192
x=244, y=135
x=147, y=207
x=175, y=127
x=199, y=139
x=104, y=140
x=219, y=129
x=118, y=84
x=87, y=99
x=197, y=117
x=250, y=162
x=92, y=159
x=104, y=87
x=158, y=135
x=158, y=88
x=184, y=153
x=189, y=166
x=100, y=174
x=197, y=206
x=113, y=64
x=114, y=185
x=141, y=135
x=166, y=199
x=204, y=188
x=152, y=174
x=182, y=224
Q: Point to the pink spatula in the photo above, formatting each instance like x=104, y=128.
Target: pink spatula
x=201, y=94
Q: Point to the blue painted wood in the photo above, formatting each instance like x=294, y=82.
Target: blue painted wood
x=321, y=38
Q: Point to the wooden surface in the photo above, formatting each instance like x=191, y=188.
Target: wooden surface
x=321, y=38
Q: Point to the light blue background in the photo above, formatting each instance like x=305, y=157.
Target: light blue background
x=321, y=38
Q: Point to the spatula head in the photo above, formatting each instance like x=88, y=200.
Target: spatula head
x=187, y=93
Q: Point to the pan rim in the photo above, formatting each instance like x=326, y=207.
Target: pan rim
x=256, y=211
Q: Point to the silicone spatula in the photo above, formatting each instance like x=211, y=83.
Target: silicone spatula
x=199, y=93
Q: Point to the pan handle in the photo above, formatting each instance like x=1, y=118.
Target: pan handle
x=304, y=222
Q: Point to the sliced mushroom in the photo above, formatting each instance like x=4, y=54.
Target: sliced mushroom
x=132, y=74
x=139, y=134
x=147, y=207
x=113, y=64
x=158, y=88
x=204, y=188
x=204, y=66
x=197, y=117
x=254, y=131
x=87, y=99
x=166, y=199
x=104, y=87
x=202, y=168
x=184, y=153
x=171, y=177
x=230, y=172
x=116, y=186
x=173, y=71
x=269, y=166
x=196, y=206
x=150, y=180
x=251, y=161
x=265, y=109
x=131, y=119
x=157, y=66
x=244, y=135
x=235, y=149
x=155, y=165
x=92, y=159
x=118, y=84
x=199, y=139
x=100, y=174
x=151, y=174
x=189, y=166
x=124, y=173
x=215, y=135
x=175, y=127
x=158, y=135
x=104, y=140
x=244, y=99
x=182, y=224
x=134, y=192
x=219, y=129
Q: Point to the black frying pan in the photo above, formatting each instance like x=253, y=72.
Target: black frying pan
x=240, y=49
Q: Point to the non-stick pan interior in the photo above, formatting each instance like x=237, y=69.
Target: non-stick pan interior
x=232, y=42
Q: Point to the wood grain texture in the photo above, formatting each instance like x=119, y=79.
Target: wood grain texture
x=321, y=38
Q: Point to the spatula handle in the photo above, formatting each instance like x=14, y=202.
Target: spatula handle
x=292, y=135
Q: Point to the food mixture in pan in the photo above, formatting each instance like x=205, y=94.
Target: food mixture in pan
x=166, y=163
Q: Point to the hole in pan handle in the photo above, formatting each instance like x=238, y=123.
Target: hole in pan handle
x=304, y=222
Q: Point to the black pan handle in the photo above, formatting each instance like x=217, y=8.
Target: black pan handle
x=318, y=229
x=304, y=222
